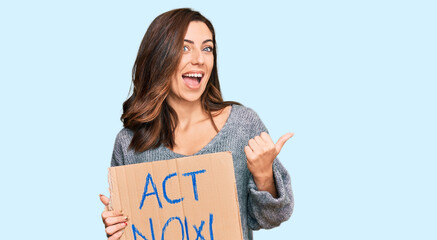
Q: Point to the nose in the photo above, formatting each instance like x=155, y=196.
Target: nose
x=197, y=58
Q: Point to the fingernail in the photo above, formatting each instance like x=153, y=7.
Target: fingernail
x=125, y=218
x=125, y=223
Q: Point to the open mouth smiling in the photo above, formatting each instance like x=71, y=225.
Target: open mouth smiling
x=192, y=79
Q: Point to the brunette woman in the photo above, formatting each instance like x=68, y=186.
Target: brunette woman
x=176, y=109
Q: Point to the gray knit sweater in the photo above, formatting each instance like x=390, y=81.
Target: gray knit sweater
x=258, y=209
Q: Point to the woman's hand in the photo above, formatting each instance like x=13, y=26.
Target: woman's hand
x=114, y=221
x=260, y=154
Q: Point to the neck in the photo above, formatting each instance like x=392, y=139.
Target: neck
x=188, y=112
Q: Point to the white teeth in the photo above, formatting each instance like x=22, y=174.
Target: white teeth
x=193, y=75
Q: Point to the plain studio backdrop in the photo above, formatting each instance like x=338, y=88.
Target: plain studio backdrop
x=355, y=81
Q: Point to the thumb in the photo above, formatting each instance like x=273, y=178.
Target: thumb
x=104, y=199
x=281, y=141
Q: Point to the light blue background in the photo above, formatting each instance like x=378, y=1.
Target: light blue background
x=355, y=81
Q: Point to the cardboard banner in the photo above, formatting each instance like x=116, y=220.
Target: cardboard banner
x=183, y=198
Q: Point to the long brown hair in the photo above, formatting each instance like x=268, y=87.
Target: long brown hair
x=146, y=112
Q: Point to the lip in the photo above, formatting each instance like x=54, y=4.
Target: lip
x=193, y=86
x=201, y=72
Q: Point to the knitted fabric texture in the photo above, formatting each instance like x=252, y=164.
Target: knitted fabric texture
x=258, y=209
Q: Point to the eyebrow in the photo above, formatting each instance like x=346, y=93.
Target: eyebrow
x=192, y=42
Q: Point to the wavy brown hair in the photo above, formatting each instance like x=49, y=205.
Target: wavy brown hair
x=146, y=112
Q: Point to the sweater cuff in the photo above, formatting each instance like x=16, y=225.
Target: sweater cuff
x=264, y=198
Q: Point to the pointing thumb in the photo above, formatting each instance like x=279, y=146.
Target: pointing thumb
x=281, y=141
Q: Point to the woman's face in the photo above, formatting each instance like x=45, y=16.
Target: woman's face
x=194, y=70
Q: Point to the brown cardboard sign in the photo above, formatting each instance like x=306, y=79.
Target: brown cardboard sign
x=183, y=198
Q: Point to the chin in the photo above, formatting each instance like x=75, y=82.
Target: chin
x=182, y=93
x=191, y=98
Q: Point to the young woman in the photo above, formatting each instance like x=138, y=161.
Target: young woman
x=176, y=110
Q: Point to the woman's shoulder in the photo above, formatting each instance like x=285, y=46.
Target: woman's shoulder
x=246, y=120
x=124, y=136
x=242, y=113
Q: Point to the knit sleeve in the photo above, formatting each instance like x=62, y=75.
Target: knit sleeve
x=117, y=153
x=264, y=210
